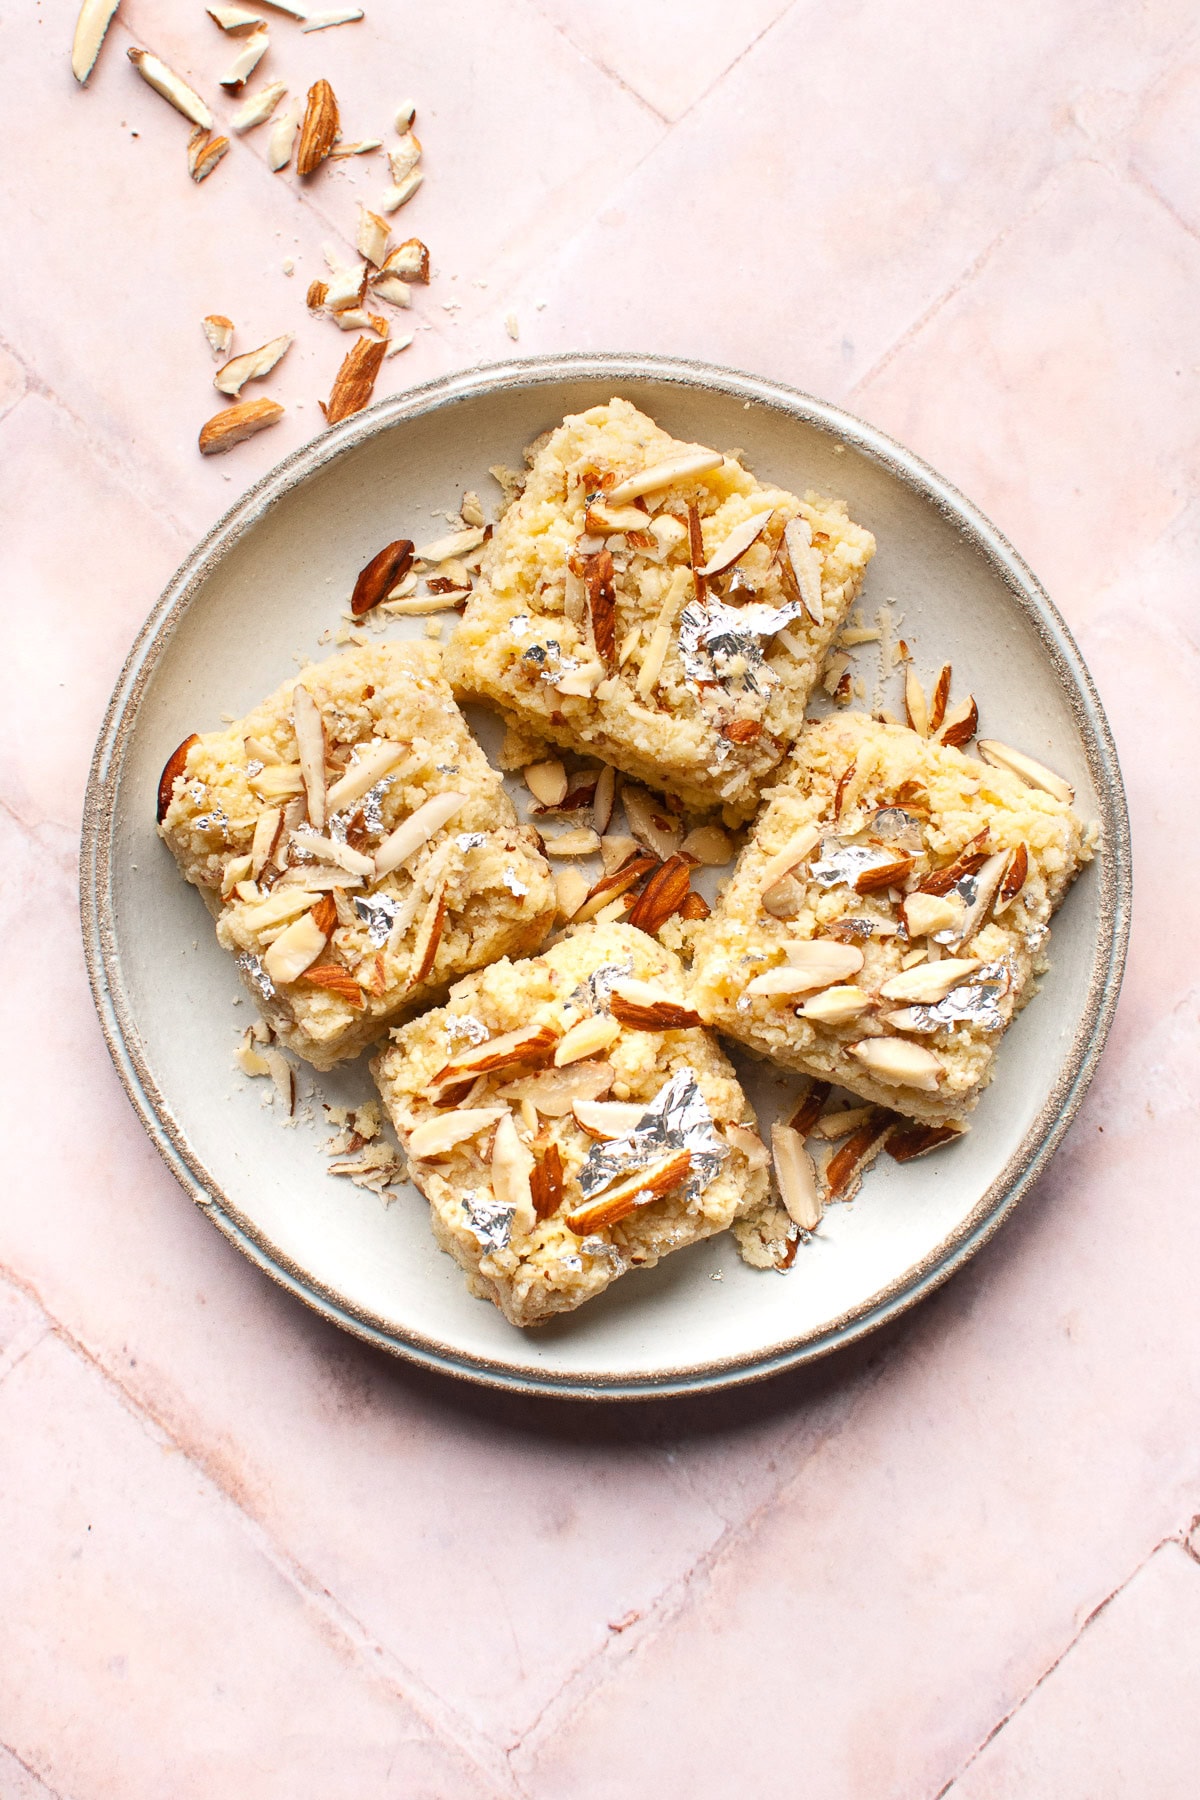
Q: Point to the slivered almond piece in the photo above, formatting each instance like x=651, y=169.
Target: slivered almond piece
x=95, y=17
x=796, y=1177
x=824, y=960
x=282, y=139
x=374, y=762
x=688, y=465
x=219, y=332
x=602, y=519
x=926, y=913
x=709, y=845
x=652, y=662
x=251, y=365
x=970, y=858
x=284, y=1077
x=267, y=829
x=581, y=842
x=888, y=874
x=835, y=1006
x=612, y=887
x=916, y=709
x=173, y=768
x=250, y=54
x=310, y=746
x=236, y=424
x=378, y=577
x=796, y=851
x=554, y=1092
x=235, y=19
x=530, y=1044
x=835, y=1125
x=341, y=15
x=155, y=73
x=644, y=1007
x=204, y=153
x=616, y=848
x=336, y=980
x=650, y=822
x=587, y=1038
x=458, y=543
x=910, y=1141
x=635, y=1191
x=361, y=147
x=372, y=237
x=895, y=1060
x=433, y=1137
x=410, y=261
x=547, y=782
x=511, y=1165
x=1033, y=774
x=737, y=543
x=277, y=780
x=318, y=129
x=546, y=1182
x=570, y=892
x=429, y=937
x=406, y=112
x=662, y=895
x=745, y=1140
x=354, y=382
x=845, y=1169
x=929, y=982
x=318, y=293
x=960, y=724
x=393, y=198
x=695, y=532
x=987, y=884
x=328, y=850
x=405, y=157
x=602, y=604
x=805, y=566
x=602, y=802
x=809, y=1109
x=257, y=108
x=607, y=1119
x=939, y=698
x=416, y=831
x=1015, y=877
x=297, y=946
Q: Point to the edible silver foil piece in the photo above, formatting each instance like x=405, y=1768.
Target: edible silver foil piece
x=595, y=991
x=520, y=625
x=447, y=768
x=676, y=1119
x=216, y=820
x=895, y=826
x=1035, y=937
x=378, y=915
x=254, y=767
x=465, y=1025
x=550, y=660
x=975, y=1001
x=852, y=926
x=518, y=888
x=470, y=840
x=256, y=975
x=490, y=1220
x=371, y=808
x=840, y=865
x=603, y=1251
x=724, y=644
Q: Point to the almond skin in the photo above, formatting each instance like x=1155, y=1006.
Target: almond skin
x=319, y=128
x=173, y=769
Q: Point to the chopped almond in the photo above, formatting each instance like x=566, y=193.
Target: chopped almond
x=236, y=423
x=355, y=381
x=95, y=17
x=219, y=332
x=319, y=128
x=662, y=895
x=436, y=1136
x=252, y=365
x=588, y=1038
x=155, y=73
x=416, y=831
x=635, y=1191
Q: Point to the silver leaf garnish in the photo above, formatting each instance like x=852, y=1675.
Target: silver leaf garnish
x=378, y=915
x=676, y=1119
x=509, y=878
x=595, y=991
x=490, y=1220
x=254, y=767
x=603, y=1251
x=975, y=1001
x=252, y=969
x=470, y=840
x=464, y=1025
x=724, y=644
x=370, y=806
x=447, y=768
x=840, y=865
x=519, y=625
x=1035, y=937
x=216, y=820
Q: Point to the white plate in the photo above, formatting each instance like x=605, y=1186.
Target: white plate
x=268, y=581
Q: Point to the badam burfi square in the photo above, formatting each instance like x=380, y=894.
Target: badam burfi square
x=567, y=1121
x=650, y=602
x=357, y=849
x=886, y=919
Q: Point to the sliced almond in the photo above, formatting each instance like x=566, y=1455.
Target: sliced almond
x=614, y=885
x=277, y=781
x=164, y=81
x=601, y=518
x=374, y=762
x=236, y=870
x=836, y=1006
x=650, y=822
x=987, y=886
x=416, y=831
x=607, y=1119
x=1015, y=877
x=378, y=577
x=429, y=937
x=219, y=332
x=602, y=802
x=737, y=543
x=643, y=1007
x=581, y=842
x=805, y=567
x=310, y=746
x=173, y=769
x=939, y=698
x=1033, y=774
x=204, y=153
x=512, y=1165
x=328, y=850
x=251, y=365
x=930, y=981
x=916, y=709
x=970, y=858
x=960, y=724
x=882, y=875
x=547, y=782
x=746, y=1141
x=662, y=896
x=354, y=382
x=588, y=1038
x=812, y=964
x=895, y=1060
x=297, y=946
x=532, y=1045
x=796, y=1178
x=570, y=892
x=809, y=1109
x=332, y=978
x=688, y=465
x=318, y=129
x=615, y=850
x=373, y=235
x=910, y=1141
x=435, y=1136
x=394, y=198
x=845, y=1169
x=257, y=108
x=708, y=845
x=267, y=829
x=339, y=15
x=458, y=543
x=236, y=423
x=235, y=19
x=797, y=850
x=835, y=1125
x=250, y=54
x=925, y=914
x=555, y=1092
x=95, y=17
x=546, y=1182
x=635, y=1191
x=282, y=139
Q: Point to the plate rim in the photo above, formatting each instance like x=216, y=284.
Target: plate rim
x=1113, y=871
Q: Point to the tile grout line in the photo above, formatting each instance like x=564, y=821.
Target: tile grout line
x=54, y=1793
x=442, y=1720
x=945, y=1792
x=26, y=1340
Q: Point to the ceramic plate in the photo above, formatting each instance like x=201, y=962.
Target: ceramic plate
x=262, y=588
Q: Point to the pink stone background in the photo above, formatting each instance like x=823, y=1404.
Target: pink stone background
x=240, y=1554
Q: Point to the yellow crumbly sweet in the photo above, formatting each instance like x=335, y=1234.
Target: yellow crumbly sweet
x=240, y=824
x=590, y=628
x=510, y=1231
x=902, y=840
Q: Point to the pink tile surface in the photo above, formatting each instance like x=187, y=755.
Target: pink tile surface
x=311, y=1571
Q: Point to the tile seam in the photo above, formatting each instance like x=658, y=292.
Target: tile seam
x=55, y=1793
